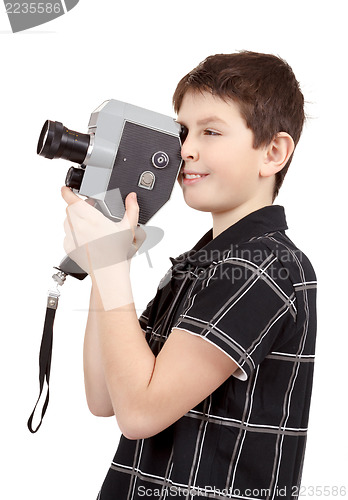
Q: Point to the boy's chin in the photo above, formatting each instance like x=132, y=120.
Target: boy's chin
x=198, y=205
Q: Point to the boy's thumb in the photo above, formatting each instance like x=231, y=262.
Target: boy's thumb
x=132, y=209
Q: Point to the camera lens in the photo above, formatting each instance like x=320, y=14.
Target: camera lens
x=57, y=141
x=160, y=159
x=74, y=177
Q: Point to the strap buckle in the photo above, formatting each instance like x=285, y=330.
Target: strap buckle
x=54, y=294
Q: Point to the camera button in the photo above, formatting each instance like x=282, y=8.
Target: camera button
x=147, y=180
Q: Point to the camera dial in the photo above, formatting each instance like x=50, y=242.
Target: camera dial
x=160, y=159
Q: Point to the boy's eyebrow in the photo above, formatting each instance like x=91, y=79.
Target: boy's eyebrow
x=205, y=121
x=210, y=119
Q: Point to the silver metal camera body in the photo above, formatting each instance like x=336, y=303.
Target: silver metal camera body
x=127, y=148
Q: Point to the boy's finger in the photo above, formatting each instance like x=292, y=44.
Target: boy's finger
x=132, y=210
x=69, y=196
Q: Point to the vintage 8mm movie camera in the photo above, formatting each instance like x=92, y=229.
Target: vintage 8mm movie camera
x=127, y=148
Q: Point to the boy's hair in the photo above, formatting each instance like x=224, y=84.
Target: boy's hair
x=264, y=87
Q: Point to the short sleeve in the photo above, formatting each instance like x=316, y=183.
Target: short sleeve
x=243, y=308
x=145, y=315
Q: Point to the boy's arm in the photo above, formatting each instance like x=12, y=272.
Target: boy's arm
x=147, y=394
x=150, y=393
x=97, y=395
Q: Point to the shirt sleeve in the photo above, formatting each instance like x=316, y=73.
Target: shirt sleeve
x=243, y=308
x=144, y=317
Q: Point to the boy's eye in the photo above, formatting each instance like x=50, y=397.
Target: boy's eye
x=210, y=132
x=183, y=133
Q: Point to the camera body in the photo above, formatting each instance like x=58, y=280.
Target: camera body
x=126, y=149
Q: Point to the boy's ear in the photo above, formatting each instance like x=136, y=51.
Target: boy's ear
x=277, y=154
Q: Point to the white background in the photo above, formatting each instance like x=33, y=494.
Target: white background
x=137, y=51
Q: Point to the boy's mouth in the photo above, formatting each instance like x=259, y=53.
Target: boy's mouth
x=190, y=178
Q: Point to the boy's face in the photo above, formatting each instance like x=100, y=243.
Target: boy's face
x=220, y=146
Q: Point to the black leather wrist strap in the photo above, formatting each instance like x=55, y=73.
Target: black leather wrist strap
x=45, y=357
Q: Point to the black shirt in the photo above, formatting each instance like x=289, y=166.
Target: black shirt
x=251, y=293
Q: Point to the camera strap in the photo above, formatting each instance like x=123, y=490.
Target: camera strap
x=45, y=355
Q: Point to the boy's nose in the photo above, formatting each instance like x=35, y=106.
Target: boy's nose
x=189, y=151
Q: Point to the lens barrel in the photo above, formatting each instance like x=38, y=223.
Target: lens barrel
x=57, y=141
x=74, y=177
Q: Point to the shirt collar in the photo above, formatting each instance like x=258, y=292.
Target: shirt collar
x=208, y=249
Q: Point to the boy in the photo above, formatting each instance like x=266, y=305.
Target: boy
x=211, y=386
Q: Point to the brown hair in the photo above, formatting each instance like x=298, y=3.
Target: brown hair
x=264, y=87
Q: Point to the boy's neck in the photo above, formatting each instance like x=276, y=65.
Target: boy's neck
x=223, y=220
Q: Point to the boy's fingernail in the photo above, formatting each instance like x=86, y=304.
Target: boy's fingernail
x=134, y=196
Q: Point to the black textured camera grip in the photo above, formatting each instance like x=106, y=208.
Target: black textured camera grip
x=134, y=157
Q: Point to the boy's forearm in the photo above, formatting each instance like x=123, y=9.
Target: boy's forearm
x=97, y=394
x=127, y=360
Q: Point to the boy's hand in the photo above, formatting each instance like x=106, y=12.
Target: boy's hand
x=97, y=244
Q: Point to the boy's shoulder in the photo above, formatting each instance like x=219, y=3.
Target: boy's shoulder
x=288, y=254
x=276, y=254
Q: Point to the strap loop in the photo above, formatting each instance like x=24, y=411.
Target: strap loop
x=44, y=362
